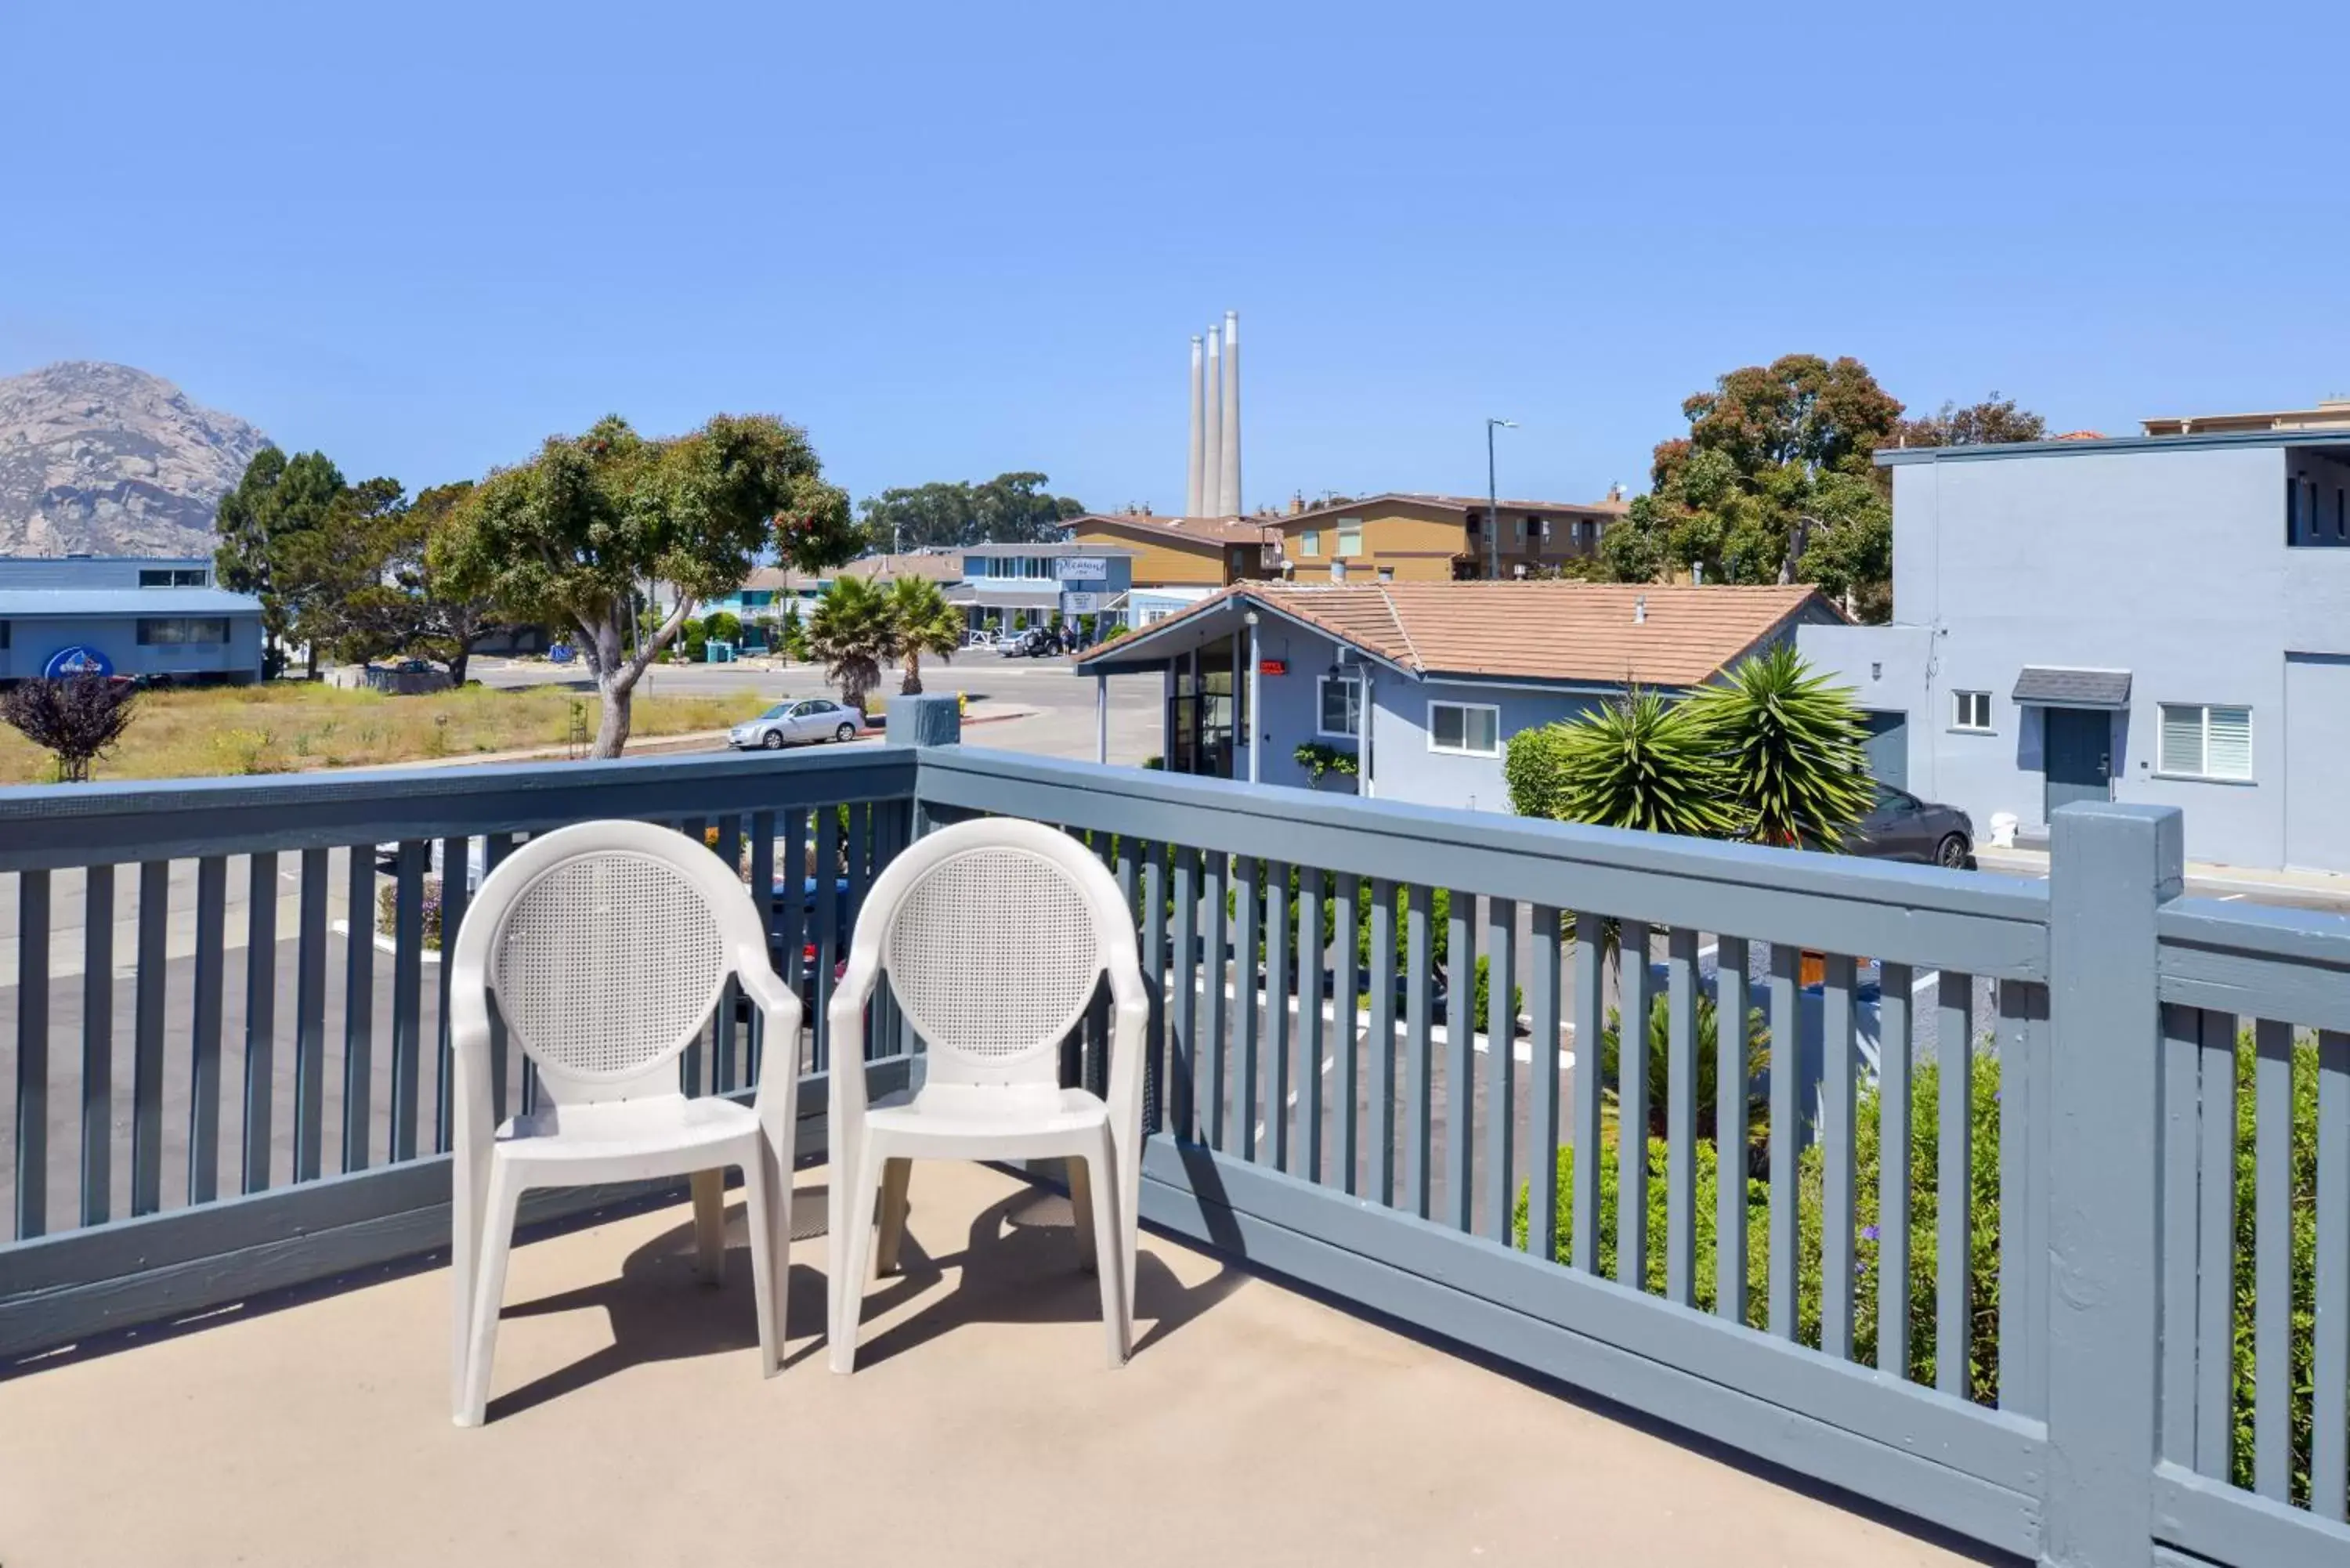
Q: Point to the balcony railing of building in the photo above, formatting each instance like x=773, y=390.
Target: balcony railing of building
x=2145, y=1097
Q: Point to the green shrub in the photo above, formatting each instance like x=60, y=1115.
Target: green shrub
x=1758, y=1059
x=722, y=625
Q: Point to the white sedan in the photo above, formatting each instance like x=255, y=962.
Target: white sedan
x=792, y=723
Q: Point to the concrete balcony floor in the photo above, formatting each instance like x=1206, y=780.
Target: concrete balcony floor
x=628, y=1425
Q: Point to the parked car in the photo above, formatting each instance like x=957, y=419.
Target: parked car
x=808, y=895
x=809, y=720
x=1900, y=827
x=1033, y=643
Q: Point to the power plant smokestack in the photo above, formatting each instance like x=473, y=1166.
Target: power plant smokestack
x=1228, y=495
x=1195, y=498
x=1211, y=480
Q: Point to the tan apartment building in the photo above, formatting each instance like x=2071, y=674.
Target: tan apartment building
x=1409, y=538
x=1181, y=552
x=2331, y=413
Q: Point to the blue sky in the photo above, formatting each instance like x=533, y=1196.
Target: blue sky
x=957, y=239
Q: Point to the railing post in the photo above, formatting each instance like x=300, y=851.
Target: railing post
x=2112, y=867
x=924, y=720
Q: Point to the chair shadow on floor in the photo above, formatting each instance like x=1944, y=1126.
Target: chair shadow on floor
x=1019, y=1264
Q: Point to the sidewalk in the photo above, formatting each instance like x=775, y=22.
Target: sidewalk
x=2203, y=876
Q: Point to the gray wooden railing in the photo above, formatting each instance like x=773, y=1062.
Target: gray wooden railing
x=1349, y=1125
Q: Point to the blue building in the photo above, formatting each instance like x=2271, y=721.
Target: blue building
x=163, y=620
x=1422, y=684
x=1006, y=586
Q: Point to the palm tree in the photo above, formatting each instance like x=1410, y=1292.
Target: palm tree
x=853, y=632
x=1792, y=746
x=926, y=623
x=1639, y=762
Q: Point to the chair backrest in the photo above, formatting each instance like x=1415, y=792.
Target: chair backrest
x=994, y=934
x=607, y=945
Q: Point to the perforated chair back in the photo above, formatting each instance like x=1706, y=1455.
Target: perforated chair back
x=607, y=945
x=994, y=935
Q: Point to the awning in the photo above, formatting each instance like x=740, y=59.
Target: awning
x=2055, y=686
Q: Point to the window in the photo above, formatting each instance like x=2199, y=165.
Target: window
x=1350, y=535
x=181, y=630
x=1387, y=574
x=1309, y=542
x=1970, y=711
x=1342, y=707
x=174, y=578
x=2203, y=741
x=3, y=633
x=1471, y=729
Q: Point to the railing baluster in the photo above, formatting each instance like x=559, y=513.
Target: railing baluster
x=1420, y=1089
x=358, y=1008
x=792, y=868
x=147, y=1040
x=1590, y=1022
x=1245, y=994
x=1183, y=1066
x=2182, y=1042
x=2021, y=1105
x=1459, y=1058
x=1954, y=1046
x=1215, y=1042
x=1501, y=1066
x=1632, y=1108
x=204, y=1031
x=1306, y=1150
x=722, y=1045
x=1787, y=1079
x=1380, y=1046
x=762, y=898
x=2215, y=1249
x=98, y=1046
x=260, y=1019
x=407, y=996
x=32, y=1053
x=688, y=1061
x=2273, y=1258
x=827, y=928
x=2329, y=1452
x=1893, y=993
x=1541, y=1087
x=1732, y=983
x=1837, y=1053
x=1344, y=1010
x=1155, y=973
x=1681, y=1116
x=1277, y=944
x=310, y=1016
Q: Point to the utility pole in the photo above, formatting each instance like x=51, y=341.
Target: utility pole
x=1493, y=501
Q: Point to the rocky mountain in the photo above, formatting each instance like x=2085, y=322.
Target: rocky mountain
x=108, y=460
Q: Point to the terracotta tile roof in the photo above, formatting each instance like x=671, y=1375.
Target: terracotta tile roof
x=1549, y=630
x=1202, y=531
x=939, y=566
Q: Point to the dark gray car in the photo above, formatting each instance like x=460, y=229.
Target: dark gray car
x=1900, y=827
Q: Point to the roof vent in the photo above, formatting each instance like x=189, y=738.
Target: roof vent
x=1640, y=610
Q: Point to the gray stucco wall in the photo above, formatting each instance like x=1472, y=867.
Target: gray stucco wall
x=32, y=640
x=2172, y=564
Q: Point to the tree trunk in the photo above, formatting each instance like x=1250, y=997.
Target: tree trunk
x=911, y=686
x=457, y=665
x=612, y=728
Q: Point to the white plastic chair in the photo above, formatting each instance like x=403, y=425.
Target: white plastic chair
x=993, y=934
x=608, y=946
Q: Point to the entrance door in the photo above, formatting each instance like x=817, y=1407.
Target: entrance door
x=2317, y=761
x=2078, y=743
x=1887, y=747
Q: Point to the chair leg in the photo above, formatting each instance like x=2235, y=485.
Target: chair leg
x=896, y=1176
x=709, y=1226
x=779, y=1240
x=1081, y=1208
x=857, y=1263
x=757, y=1202
x=489, y=1289
x=1117, y=1312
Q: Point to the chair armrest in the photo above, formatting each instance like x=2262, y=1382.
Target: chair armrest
x=780, y=1014
x=845, y=1018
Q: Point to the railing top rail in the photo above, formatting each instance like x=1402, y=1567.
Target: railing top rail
x=1921, y=915
x=2305, y=936
x=2256, y=961
x=77, y=825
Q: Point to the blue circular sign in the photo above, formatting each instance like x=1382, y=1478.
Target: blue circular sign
x=79, y=659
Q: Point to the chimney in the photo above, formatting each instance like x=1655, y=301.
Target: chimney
x=1211, y=422
x=1228, y=502
x=1616, y=491
x=1192, y=496
x=1296, y=501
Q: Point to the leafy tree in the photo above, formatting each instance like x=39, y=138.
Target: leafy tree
x=925, y=624
x=1791, y=747
x=77, y=718
x=723, y=625
x=564, y=539
x=1010, y=509
x=794, y=632
x=1993, y=420
x=853, y=631
x=279, y=530
x=1639, y=762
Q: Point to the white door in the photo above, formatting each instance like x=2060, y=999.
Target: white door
x=2317, y=761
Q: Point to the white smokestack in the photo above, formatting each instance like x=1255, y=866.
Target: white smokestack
x=1212, y=478
x=1195, y=499
x=1227, y=498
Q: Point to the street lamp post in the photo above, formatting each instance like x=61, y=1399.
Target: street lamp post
x=1493, y=501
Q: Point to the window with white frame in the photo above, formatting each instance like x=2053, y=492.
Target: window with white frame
x=1970, y=711
x=1350, y=535
x=1342, y=707
x=2205, y=741
x=1469, y=729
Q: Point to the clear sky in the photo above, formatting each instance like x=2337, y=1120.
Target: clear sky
x=956, y=239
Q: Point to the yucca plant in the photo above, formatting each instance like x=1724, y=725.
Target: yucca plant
x=1639, y=762
x=926, y=624
x=1791, y=747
